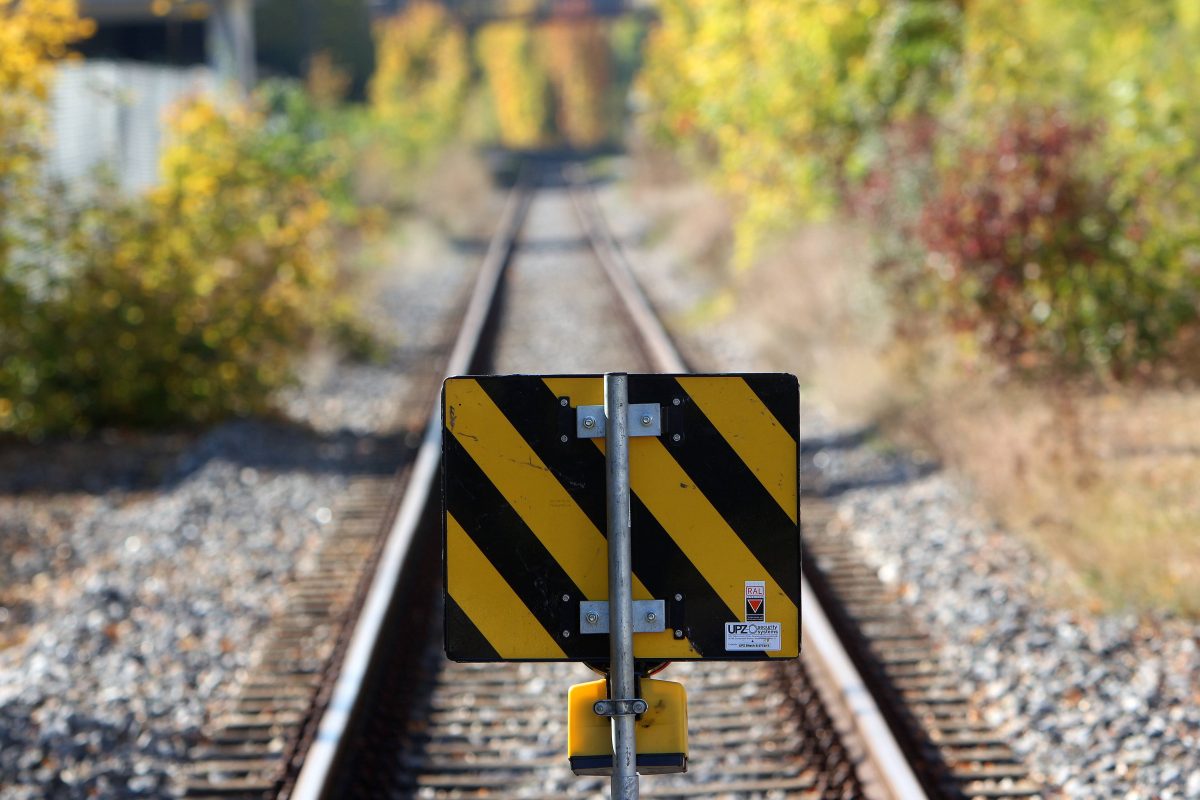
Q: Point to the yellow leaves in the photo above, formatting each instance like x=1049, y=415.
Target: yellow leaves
x=516, y=80
x=199, y=185
x=204, y=283
x=421, y=74
x=575, y=53
x=32, y=34
x=764, y=87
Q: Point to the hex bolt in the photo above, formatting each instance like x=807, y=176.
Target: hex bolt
x=566, y=634
x=562, y=401
x=651, y=616
x=566, y=598
x=676, y=401
x=678, y=597
x=646, y=420
x=592, y=618
x=678, y=634
x=564, y=438
x=589, y=422
x=675, y=437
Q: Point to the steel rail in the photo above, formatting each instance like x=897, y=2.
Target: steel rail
x=657, y=343
x=314, y=780
x=820, y=641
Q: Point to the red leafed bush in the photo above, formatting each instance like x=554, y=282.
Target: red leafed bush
x=1024, y=251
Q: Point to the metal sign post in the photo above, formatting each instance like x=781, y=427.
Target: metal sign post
x=620, y=589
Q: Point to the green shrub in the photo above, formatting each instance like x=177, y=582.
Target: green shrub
x=1021, y=242
x=1124, y=71
x=185, y=305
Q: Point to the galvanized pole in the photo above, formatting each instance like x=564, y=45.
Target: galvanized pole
x=620, y=586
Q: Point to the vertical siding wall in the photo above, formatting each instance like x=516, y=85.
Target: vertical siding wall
x=112, y=113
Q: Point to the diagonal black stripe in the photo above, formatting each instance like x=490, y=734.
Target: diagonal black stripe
x=514, y=550
x=580, y=468
x=463, y=639
x=667, y=571
x=780, y=393
x=725, y=480
x=535, y=412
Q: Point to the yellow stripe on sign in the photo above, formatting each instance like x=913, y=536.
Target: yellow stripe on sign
x=530, y=488
x=704, y=536
x=590, y=392
x=752, y=431
x=490, y=603
x=582, y=391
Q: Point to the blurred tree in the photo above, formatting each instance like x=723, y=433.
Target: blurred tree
x=186, y=304
x=578, y=62
x=1046, y=153
x=765, y=90
x=327, y=83
x=33, y=34
x=516, y=81
x=419, y=86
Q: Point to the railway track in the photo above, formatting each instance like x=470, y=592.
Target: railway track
x=359, y=700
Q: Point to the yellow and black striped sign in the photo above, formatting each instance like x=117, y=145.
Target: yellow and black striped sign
x=715, y=530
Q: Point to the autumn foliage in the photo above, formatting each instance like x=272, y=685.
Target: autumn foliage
x=576, y=54
x=1041, y=156
x=33, y=34
x=422, y=73
x=184, y=305
x=550, y=84
x=516, y=82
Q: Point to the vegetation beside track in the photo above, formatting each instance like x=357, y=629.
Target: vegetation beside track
x=1025, y=178
x=1030, y=170
x=190, y=302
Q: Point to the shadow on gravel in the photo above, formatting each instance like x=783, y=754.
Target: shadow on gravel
x=869, y=469
x=900, y=474
x=119, y=461
x=842, y=440
x=284, y=446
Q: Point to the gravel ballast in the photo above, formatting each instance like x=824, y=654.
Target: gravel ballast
x=1098, y=704
x=129, y=607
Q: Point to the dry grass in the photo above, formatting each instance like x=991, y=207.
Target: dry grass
x=456, y=190
x=815, y=309
x=1105, y=481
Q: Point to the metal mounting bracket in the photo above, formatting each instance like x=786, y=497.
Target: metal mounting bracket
x=644, y=419
x=649, y=616
x=619, y=708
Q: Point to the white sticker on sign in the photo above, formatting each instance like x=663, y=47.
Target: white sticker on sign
x=756, y=601
x=756, y=636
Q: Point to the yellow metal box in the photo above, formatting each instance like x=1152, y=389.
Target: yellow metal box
x=661, y=732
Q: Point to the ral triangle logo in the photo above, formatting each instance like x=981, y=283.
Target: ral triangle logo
x=756, y=601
